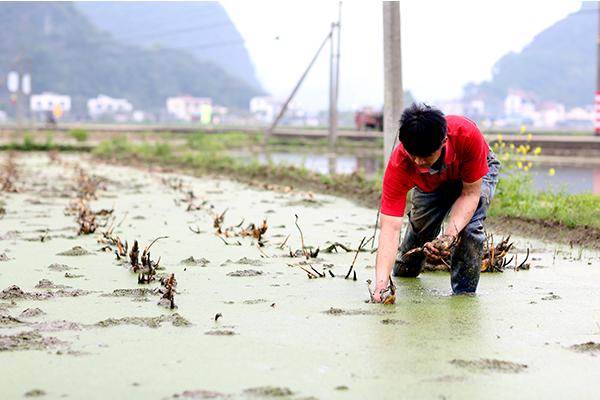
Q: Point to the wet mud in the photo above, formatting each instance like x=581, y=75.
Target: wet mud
x=150, y=322
x=31, y=340
x=589, y=347
x=290, y=335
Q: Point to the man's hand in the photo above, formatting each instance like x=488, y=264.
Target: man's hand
x=439, y=249
x=377, y=293
x=385, y=294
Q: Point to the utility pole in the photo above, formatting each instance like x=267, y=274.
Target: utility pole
x=269, y=131
x=334, y=79
x=597, y=99
x=392, y=61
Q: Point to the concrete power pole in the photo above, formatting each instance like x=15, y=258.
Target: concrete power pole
x=597, y=98
x=392, y=62
x=334, y=79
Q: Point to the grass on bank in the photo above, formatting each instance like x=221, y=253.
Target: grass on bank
x=30, y=143
x=211, y=161
x=515, y=196
x=237, y=140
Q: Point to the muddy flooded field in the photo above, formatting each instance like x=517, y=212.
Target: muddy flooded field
x=236, y=316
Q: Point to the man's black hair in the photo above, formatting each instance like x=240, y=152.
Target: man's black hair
x=422, y=129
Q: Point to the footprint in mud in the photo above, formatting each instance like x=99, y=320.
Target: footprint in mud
x=191, y=261
x=4, y=257
x=589, y=347
x=490, y=365
x=74, y=252
x=245, y=272
x=71, y=276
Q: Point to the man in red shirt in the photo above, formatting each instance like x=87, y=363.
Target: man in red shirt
x=451, y=169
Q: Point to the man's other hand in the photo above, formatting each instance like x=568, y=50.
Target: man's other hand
x=439, y=249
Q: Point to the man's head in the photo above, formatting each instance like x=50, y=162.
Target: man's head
x=423, y=133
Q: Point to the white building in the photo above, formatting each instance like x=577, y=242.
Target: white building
x=519, y=103
x=549, y=115
x=266, y=108
x=188, y=108
x=50, y=102
x=105, y=105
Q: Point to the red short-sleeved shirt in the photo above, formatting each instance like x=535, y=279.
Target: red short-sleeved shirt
x=465, y=159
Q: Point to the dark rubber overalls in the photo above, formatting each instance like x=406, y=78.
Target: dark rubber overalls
x=425, y=221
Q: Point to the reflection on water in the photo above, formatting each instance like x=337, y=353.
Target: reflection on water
x=327, y=163
x=568, y=178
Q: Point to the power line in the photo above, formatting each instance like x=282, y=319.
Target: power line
x=172, y=32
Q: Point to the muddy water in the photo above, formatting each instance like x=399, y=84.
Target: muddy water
x=277, y=334
x=570, y=178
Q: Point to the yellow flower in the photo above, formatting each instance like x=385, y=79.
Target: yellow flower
x=523, y=128
x=519, y=164
x=529, y=164
x=526, y=168
x=551, y=171
x=529, y=137
x=537, y=151
x=512, y=146
x=500, y=137
x=503, y=145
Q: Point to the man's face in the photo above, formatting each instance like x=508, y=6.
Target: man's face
x=425, y=163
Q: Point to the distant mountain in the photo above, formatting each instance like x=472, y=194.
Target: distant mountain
x=558, y=65
x=203, y=28
x=67, y=54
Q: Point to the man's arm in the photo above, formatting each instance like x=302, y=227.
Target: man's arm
x=389, y=237
x=464, y=207
x=462, y=211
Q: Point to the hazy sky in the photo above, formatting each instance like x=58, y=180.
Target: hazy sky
x=445, y=44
